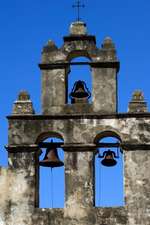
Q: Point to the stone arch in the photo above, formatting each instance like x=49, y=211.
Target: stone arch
x=78, y=53
x=107, y=133
x=48, y=134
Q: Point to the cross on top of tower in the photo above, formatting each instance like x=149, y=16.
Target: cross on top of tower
x=78, y=5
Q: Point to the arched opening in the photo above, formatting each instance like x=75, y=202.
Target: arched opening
x=79, y=71
x=51, y=171
x=109, y=190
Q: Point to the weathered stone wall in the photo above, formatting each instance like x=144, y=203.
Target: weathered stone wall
x=79, y=183
x=25, y=130
x=137, y=183
x=80, y=134
x=53, y=89
x=104, y=90
x=5, y=184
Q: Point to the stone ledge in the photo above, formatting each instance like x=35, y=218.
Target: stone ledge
x=79, y=116
x=71, y=147
x=58, y=65
x=90, y=38
x=21, y=148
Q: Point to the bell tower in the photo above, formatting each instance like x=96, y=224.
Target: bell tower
x=56, y=64
x=80, y=125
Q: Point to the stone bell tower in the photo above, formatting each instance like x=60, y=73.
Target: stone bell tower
x=55, y=68
x=80, y=125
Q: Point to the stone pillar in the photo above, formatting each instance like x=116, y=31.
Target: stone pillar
x=104, y=71
x=53, y=90
x=23, y=181
x=104, y=90
x=23, y=161
x=137, y=186
x=53, y=79
x=5, y=184
x=79, y=181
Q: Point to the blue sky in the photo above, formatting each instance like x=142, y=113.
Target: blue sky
x=27, y=25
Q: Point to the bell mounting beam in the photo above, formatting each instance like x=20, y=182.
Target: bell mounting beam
x=108, y=145
x=50, y=144
x=60, y=144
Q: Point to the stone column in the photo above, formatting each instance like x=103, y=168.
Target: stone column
x=23, y=185
x=137, y=186
x=79, y=181
x=53, y=90
x=104, y=71
x=23, y=190
x=23, y=161
x=104, y=90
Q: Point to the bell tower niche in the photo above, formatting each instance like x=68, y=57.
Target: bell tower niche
x=55, y=66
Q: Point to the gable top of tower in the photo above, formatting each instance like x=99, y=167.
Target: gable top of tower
x=78, y=31
x=79, y=43
x=78, y=28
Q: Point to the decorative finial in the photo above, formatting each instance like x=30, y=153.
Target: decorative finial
x=78, y=5
x=23, y=105
x=23, y=96
x=137, y=104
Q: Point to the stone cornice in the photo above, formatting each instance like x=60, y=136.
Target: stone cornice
x=79, y=116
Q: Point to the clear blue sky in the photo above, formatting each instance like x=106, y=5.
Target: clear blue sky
x=27, y=25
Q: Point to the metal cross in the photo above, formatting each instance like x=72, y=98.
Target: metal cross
x=78, y=5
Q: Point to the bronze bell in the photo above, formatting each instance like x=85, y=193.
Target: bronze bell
x=51, y=158
x=79, y=91
x=108, y=158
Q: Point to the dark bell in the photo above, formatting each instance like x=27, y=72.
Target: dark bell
x=80, y=90
x=109, y=159
x=51, y=158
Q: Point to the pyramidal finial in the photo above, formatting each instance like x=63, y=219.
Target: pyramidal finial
x=137, y=104
x=23, y=105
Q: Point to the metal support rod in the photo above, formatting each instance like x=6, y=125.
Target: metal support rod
x=108, y=145
x=60, y=144
x=50, y=144
x=52, y=186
